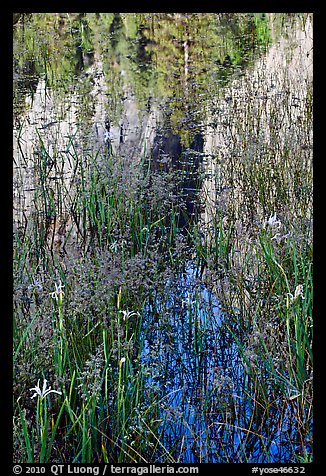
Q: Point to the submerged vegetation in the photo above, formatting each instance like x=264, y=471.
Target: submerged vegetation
x=163, y=267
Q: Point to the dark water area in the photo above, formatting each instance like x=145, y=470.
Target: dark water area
x=211, y=108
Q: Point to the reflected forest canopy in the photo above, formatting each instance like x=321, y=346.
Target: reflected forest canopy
x=163, y=260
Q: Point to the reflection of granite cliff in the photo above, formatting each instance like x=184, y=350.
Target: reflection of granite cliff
x=131, y=133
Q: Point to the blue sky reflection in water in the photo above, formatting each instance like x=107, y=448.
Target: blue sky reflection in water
x=199, y=376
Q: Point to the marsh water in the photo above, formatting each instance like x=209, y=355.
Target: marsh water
x=162, y=92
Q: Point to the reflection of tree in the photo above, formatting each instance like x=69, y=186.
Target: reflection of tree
x=48, y=40
x=193, y=55
x=179, y=59
x=47, y=45
x=110, y=43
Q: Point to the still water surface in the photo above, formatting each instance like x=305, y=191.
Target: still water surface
x=164, y=88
